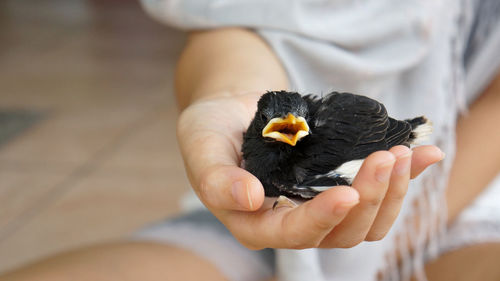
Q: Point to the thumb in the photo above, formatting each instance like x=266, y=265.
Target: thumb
x=230, y=187
x=211, y=162
x=210, y=137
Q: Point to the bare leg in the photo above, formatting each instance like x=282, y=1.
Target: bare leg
x=478, y=262
x=120, y=261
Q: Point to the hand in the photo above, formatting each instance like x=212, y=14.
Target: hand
x=210, y=136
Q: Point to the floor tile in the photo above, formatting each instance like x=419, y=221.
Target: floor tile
x=21, y=191
x=15, y=122
x=152, y=148
x=96, y=209
x=73, y=137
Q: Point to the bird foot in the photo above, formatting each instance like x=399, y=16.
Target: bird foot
x=283, y=201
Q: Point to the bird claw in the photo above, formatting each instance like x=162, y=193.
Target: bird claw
x=283, y=201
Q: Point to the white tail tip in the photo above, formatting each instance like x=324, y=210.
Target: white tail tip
x=422, y=132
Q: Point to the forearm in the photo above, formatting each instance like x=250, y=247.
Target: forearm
x=226, y=62
x=477, y=160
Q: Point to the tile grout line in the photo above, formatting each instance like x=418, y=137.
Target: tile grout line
x=84, y=170
x=31, y=167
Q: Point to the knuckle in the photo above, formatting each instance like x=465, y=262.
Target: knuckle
x=245, y=238
x=183, y=122
x=349, y=243
x=399, y=150
x=294, y=238
x=320, y=225
x=398, y=193
x=375, y=235
x=250, y=245
x=297, y=236
x=298, y=243
x=373, y=200
x=205, y=190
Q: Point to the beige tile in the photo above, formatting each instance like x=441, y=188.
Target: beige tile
x=96, y=209
x=21, y=191
x=109, y=58
x=74, y=137
x=76, y=82
x=7, y=179
x=29, y=29
x=152, y=148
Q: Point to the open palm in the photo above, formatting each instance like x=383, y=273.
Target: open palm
x=210, y=136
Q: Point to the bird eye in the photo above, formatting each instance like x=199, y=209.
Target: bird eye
x=263, y=117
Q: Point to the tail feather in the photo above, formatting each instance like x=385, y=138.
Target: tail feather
x=421, y=129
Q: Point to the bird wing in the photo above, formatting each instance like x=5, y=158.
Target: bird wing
x=348, y=127
x=398, y=132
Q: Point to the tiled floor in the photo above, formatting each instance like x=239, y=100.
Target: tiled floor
x=104, y=159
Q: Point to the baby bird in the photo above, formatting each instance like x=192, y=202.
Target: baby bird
x=299, y=146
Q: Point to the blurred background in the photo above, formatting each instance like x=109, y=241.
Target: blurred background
x=87, y=124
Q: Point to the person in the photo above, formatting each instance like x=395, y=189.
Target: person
x=407, y=55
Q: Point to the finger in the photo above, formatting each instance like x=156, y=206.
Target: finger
x=298, y=228
x=393, y=200
x=371, y=182
x=230, y=188
x=424, y=156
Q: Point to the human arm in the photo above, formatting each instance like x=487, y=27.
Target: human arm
x=220, y=76
x=477, y=160
x=226, y=62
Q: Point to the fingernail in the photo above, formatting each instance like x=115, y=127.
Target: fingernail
x=343, y=207
x=241, y=194
x=403, y=165
x=383, y=173
x=443, y=155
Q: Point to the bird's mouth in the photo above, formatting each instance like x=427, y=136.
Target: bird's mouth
x=288, y=130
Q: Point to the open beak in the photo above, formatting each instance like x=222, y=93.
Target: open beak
x=288, y=130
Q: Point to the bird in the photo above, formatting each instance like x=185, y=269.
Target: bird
x=298, y=146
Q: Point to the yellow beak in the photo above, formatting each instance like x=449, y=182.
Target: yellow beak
x=288, y=130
